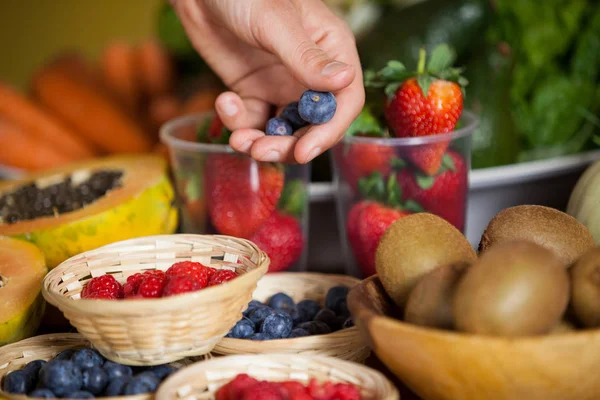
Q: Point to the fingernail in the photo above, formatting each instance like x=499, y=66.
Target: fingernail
x=228, y=108
x=245, y=147
x=314, y=153
x=333, y=68
x=271, y=156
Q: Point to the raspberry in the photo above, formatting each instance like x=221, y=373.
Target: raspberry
x=321, y=392
x=152, y=286
x=102, y=287
x=300, y=396
x=180, y=284
x=291, y=388
x=220, y=276
x=263, y=391
x=211, y=271
x=233, y=390
x=132, y=286
x=193, y=269
x=345, y=391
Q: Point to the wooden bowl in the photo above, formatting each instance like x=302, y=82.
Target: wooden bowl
x=445, y=365
x=201, y=380
x=346, y=344
x=157, y=331
x=45, y=347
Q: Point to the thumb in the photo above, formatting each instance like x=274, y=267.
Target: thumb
x=284, y=35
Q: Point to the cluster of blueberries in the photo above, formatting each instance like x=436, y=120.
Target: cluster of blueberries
x=313, y=108
x=83, y=374
x=281, y=318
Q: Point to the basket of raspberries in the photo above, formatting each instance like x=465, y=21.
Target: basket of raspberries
x=65, y=366
x=277, y=377
x=310, y=317
x=157, y=299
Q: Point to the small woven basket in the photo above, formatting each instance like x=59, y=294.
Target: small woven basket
x=202, y=380
x=157, y=331
x=346, y=344
x=45, y=347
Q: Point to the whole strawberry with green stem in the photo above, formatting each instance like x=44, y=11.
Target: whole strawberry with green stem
x=241, y=193
x=444, y=194
x=369, y=219
x=422, y=103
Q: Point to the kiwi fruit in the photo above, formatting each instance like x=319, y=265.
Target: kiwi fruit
x=546, y=226
x=585, y=288
x=414, y=245
x=514, y=289
x=430, y=302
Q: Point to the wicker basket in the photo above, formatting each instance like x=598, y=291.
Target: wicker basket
x=346, y=344
x=157, y=331
x=15, y=356
x=202, y=380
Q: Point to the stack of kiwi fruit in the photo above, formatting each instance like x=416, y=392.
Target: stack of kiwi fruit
x=537, y=272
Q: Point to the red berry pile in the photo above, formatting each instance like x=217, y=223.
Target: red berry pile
x=244, y=387
x=181, y=277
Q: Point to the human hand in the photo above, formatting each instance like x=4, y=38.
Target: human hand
x=268, y=52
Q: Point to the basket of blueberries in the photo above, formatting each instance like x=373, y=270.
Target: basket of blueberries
x=300, y=313
x=65, y=366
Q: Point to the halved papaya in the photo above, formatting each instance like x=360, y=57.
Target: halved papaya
x=22, y=268
x=82, y=206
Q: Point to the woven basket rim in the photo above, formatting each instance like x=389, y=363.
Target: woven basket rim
x=130, y=306
x=224, y=362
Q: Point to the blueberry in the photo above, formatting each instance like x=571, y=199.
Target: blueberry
x=327, y=316
x=162, y=371
x=61, y=376
x=349, y=323
x=145, y=382
x=259, y=314
x=42, y=394
x=299, y=332
x=32, y=369
x=279, y=127
x=281, y=301
x=255, y=303
x=305, y=311
x=80, y=394
x=335, y=300
x=87, y=358
x=65, y=355
x=94, y=379
x=317, y=107
x=315, y=327
x=115, y=370
x=259, y=336
x=17, y=382
x=290, y=113
x=278, y=325
x=116, y=386
x=243, y=329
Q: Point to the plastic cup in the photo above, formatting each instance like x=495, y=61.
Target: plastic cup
x=223, y=192
x=380, y=180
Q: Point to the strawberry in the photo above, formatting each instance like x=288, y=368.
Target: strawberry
x=443, y=194
x=241, y=193
x=368, y=220
x=282, y=239
x=428, y=102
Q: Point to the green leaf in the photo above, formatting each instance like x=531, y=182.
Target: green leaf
x=293, y=198
x=202, y=131
x=366, y=124
x=397, y=163
x=394, y=192
x=396, y=65
x=413, y=206
x=390, y=90
x=448, y=162
x=425, y=182
x=441, y=57
x=424, y=82
x=596, y=140
x=372, y=187
x=193, y=187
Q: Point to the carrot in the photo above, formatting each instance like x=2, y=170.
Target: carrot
x=75, y=66
x=201, y=101
x=20, y=149
x=155, y=68
x=120, y=75
x=163, y=108
x=90, y=112
x=17, y=108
